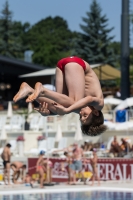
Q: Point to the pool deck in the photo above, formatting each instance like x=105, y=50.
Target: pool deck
x=123, y=186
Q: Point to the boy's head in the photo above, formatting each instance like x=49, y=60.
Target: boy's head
x=24, y=167
x=92, y=121
x=42, y=152
x=8, y=145
x=66, y=153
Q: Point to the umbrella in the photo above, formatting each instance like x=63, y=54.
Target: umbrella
x=58, y=136
x=78, y=135
x=9, y=110
x=124, y=104
x=106, y=72
x=3, y=134
x=112, y=101
x=30, y=108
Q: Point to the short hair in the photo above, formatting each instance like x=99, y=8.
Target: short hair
x=8, y=145
x=24, y=166
x=96, y=126
x=65, y=153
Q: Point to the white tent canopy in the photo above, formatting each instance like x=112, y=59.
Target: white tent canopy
x=124, y=104
x=9, y=109
x=112, y=101
x=58, y=135
x=103, y=71
x=3, y=135
x=106, y=72
x=44, y=72
x=78, y=134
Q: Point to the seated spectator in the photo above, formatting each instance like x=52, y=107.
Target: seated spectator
x=115, y=147
x=85, y=145
x=88, y=147
x=125, y=146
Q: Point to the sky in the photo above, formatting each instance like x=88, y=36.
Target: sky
x=72, y=11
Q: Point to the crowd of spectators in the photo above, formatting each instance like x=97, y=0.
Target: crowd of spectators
x=116, y=148
x=120, y=149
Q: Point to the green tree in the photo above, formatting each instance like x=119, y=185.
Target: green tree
x=93, y=44
x=50, y=39
x=10, y=38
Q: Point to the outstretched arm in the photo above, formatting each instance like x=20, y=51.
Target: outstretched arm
x=87, y=101
x=46, y=109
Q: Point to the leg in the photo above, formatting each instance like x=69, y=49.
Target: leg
x=82, y=173
x=97, y=177
x=8, y=172
x=50, y=169
x=69, y=175
x=93, y=179
x=40, y=91
x=16, y=176
x=75, y=81
x=41, y=173
x=4, y=175
x=60, y=82
x=76, y=90
x=25, y=90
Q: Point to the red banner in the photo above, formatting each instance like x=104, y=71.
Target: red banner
x=108, y=169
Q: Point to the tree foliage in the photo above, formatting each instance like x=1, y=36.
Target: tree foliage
x=93, y=44
x=50, y=39
x=11, y=44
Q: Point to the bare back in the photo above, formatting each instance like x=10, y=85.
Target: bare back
x=18, y=164
x=6, y=154
x=92, y=84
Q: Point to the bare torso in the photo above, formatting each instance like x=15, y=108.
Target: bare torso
x=40, y=161
x=6, y=154
x=77, y=154
x=94, y=161
x=18, y=165
x=92, y=84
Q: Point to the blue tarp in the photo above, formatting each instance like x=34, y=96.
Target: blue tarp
x=121, y=116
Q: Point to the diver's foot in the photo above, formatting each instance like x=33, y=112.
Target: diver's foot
x=24, y=90
x=38, y=91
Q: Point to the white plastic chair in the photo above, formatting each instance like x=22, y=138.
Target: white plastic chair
x=43, y=145
x=109, y=142
x=16, y=123
x=41, y=123
x=33, y=151
x=62, y=143
x=50, y=143
x=34, y=123
x=14, y=149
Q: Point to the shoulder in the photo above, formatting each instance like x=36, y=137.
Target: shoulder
x=97, y=103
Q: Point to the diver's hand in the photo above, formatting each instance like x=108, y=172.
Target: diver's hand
x=43, y=109
x=61, y=110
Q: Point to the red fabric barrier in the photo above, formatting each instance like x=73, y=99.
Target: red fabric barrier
x=109, y=169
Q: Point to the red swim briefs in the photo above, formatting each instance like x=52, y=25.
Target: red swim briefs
x=61, y=63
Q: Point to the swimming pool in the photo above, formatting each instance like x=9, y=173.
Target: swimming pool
x=91, y=195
